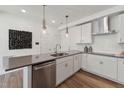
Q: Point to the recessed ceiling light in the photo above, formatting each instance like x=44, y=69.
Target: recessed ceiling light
x=53, y=21
x=23, y=11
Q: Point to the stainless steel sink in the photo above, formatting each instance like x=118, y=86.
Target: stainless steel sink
x=59, y=54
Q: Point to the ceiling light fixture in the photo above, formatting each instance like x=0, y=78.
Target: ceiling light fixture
x=44, y=21
x=23, y=11
x=53, y=21
x=66, y=34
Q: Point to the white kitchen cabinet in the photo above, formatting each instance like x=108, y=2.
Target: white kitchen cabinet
x=77, y=62
x=121, y=70
x=121, y=29
x=75, y=37
x=84, y=62
x=59, y=73
x=109, y=67
x=87, y=33
x=64, y=69
x=94, y=64
x=103, y=65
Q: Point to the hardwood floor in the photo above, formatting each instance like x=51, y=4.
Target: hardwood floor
x=84, y=79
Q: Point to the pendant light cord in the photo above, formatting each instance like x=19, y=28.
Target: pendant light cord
x=44, y=21
x=66, y=24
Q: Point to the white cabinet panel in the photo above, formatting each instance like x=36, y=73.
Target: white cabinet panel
x=109, y=67
x=77, y=62
x=59, y=73
x=75, y=36
x=103, y=65
x=86, y=33
x=64, y=69
x=121, y=70
x=94, y=63
x=84, y=61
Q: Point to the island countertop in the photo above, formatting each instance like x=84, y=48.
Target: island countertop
x=11, y=63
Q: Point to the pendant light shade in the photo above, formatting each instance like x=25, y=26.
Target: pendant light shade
x=44, y=21
x=66, y=34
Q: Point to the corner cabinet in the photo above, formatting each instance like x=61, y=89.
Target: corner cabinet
x=86, y=33
x=103, y=66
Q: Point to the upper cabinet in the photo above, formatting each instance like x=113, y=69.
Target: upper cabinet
x=121, y=29
x=86, y=33
x=75, y=36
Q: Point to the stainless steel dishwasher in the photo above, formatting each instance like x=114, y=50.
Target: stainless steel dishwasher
x=44, y=75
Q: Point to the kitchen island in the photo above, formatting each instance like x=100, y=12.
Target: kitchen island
x=25, y=63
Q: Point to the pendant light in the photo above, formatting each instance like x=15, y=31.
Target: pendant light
x=44, y=21
x=66, y=34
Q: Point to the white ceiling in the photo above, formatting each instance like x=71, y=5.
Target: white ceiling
x=55, y=12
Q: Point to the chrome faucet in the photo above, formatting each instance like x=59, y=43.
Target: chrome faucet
x=56, y=49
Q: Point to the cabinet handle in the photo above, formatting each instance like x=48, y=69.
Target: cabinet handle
x=66, y=65
x=101, y=62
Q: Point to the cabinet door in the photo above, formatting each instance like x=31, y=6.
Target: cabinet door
x=75, y=37
x=94, y=64
x=77, y=62
x=121, y=29
x=121, y=70
x=84, y=61
x=59, y=73
x=86, y=33
x=68, y=67
x=64, y=69
x=12, y=80
x=109, y=67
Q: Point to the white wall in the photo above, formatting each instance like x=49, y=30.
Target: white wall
x=9, y=21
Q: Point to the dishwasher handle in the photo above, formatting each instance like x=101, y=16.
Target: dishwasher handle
x=38, y=68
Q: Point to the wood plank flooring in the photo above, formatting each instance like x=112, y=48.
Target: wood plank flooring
x=84, y=79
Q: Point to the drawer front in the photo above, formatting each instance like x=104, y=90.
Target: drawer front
x=61, y=60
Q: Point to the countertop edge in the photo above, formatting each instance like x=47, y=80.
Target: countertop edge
x=53, y=59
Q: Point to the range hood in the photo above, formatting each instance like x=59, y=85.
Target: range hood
x=105, y=21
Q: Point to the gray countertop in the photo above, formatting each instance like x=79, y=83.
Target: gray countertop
x=107, y=54
x=22, y=61
x=11, y=63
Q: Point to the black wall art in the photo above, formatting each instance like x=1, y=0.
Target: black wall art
x=19, y=39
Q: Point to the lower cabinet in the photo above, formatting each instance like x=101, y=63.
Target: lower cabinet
x=67, y=66
x=64, y=69
x=103, y=65
x=12, y=80
x=77, y=62
x=84, y=64
x=121, y=70
x=94, y=64
x=109, y=67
